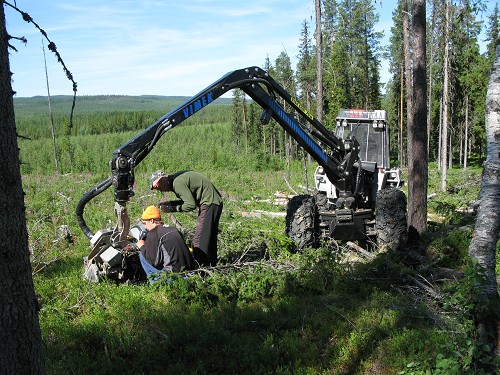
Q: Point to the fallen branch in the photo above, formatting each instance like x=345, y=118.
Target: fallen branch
x=38, y=267
x=426, y=286
x=63, y=196
x=177, y=223
x=338, y=313
x=238, y=265
x=360, y=250
x=306, y=189
x=260, y=213
x=288, y=184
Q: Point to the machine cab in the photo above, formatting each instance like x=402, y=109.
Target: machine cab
x=370, y=129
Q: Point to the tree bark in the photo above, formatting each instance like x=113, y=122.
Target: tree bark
x=431, y=65
x=407, y=62
x=21, y=350
x=466, y=130
x=466, y=135
x=319, y=62
x=417, y=129
x=486, y=233
x=444, y=125
x=401, y=119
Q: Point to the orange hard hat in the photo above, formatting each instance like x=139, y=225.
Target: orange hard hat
x=151, y=212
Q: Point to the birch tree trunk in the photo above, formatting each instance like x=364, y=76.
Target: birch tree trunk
x=486, y=233
x=21, y=350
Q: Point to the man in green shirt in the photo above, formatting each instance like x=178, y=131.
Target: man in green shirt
x=194, y=190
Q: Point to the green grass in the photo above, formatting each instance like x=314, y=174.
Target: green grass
x=289, y=313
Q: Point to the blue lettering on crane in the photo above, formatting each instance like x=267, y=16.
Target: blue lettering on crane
x=195, y=106
x=298, y=130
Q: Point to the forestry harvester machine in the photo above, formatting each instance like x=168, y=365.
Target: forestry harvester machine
x=357, y=195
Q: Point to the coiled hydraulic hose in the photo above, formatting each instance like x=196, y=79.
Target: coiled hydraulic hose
x=87, y=197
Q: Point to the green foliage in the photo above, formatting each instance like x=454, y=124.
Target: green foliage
x=306, y=68
x=264, y=309
x=276, y=309
x=450, y=248
x=316, y=272
x=468, y=75
x=351, y=68
x=447, y=210
x=280, y=246
x=458, y=203
x=238, y=116
x=461, y=356
x=66, y=156
x=234, y=286
x=104, y=114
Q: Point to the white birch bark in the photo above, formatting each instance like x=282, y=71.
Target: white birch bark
x=486, y=232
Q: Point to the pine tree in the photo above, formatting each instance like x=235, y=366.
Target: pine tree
x=417, y=128
x=305, y=71
x=319, y=61
x=351, y=79
x=470, y=78
x=66, y=149
x=21, y=351
x=237, y=125
x=396, y=105
x=270, y=129
x=283, y=74
x=255, y=131
x=493, y=34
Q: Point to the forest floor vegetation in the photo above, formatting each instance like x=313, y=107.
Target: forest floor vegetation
x=266, y=308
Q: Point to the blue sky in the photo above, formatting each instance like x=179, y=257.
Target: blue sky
x=155, y=47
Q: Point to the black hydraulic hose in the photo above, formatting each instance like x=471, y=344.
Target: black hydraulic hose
x=358, y=177
x=242, y=82
x=89, y=195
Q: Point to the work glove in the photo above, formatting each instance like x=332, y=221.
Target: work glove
x=166, y=206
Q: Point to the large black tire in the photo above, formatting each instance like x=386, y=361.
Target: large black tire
x=302, y=221
x=391, y=220
x=322, y=201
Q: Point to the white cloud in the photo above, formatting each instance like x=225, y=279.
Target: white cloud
x=165, y=47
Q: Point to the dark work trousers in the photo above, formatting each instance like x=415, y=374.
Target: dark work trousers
x=205, y=236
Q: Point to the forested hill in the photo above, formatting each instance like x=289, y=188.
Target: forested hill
x=101, y=103
x=105, y=113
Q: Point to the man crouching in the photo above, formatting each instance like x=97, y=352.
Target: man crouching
x=163, y=249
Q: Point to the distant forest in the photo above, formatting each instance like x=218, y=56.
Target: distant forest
x=104, y=113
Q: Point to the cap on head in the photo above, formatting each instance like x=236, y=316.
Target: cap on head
x=157, y=174
x=151, y=212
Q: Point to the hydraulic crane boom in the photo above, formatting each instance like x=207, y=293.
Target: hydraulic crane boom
x=336, y=156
